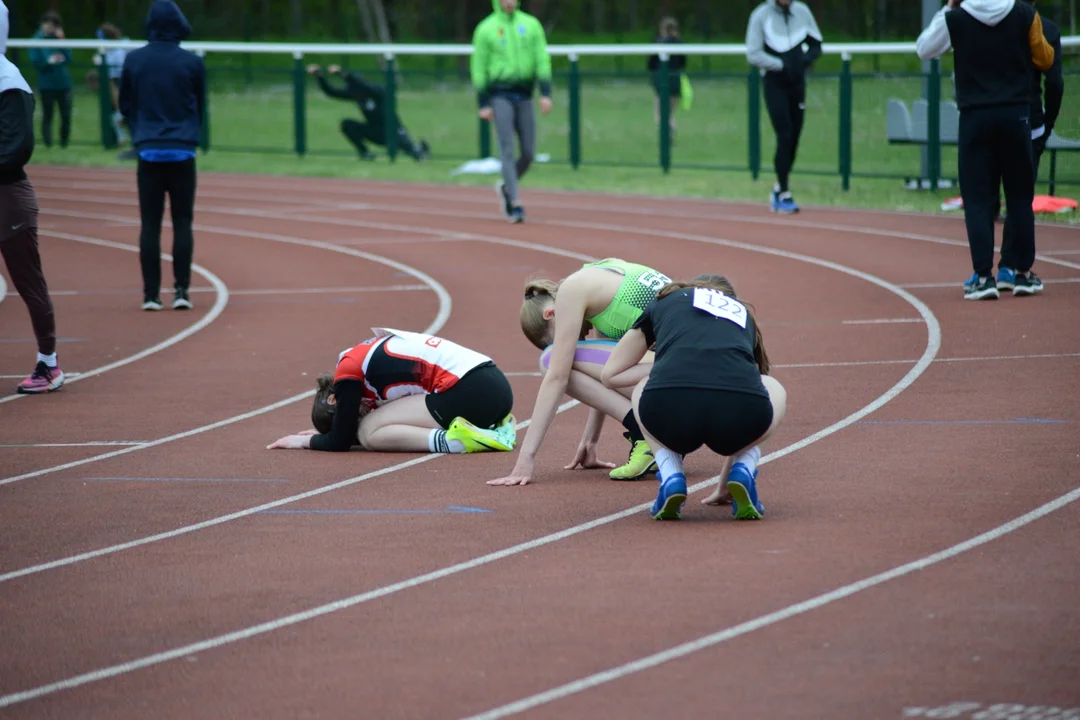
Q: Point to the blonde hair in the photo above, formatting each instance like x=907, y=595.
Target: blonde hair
x=721, y=283
x=533, y=323
x=322, y=412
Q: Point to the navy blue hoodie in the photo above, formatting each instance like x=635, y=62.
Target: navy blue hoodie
x=162, y=87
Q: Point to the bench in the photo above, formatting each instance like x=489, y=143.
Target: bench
x=904, y=127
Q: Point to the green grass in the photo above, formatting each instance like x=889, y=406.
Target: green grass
x=252, y=131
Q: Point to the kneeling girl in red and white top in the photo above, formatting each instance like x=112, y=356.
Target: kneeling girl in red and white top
x=409, y=392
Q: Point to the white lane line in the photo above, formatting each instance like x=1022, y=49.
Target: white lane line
x=956, y=285
x=211, y=315
x=92, y=443
x=71, y=560
x=881, y=321
x=773, y=618
x=260, y=291
x=933, y=344
x=441, y=317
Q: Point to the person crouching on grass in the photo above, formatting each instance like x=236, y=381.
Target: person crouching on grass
x=19, y=218
x=709, y=385
x=409, y=392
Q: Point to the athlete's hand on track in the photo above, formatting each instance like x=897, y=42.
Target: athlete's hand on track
x=522, y=474
x=586, y=460
x=720, y=496
x=292, y=442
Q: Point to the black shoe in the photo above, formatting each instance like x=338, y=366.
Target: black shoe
x=152, y=303
x=180, y=300
x=517, y=215
x=507, y=206
x=1027, y=284
x=982, y=288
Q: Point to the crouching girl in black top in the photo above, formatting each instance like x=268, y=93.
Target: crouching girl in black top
x=709, y=385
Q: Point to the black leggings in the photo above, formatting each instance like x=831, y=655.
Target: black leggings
x=1038, y=145
x=50, y=99
x=994, y=149
x=482, y=396
x=155, y=179
x=786, y=105
x=359, y=134
x=684, y=419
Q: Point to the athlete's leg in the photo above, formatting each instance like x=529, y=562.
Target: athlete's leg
x=672, y=492
x=749, y=456
x=585, y=387
x=403, y=425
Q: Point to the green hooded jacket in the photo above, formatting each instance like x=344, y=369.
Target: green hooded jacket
x=50, y=76
x=509, y=55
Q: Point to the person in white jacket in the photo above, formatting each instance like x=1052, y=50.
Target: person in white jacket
x=997, y=47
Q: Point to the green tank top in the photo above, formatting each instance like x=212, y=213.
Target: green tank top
x=639, y=288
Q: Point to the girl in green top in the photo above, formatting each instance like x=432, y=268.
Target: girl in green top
x=604, y=298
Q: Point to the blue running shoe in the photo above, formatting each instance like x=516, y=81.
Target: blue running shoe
x=670, y=498
x=743, y=488
x=1006, y=278
x=971, y=282
x=783, y=203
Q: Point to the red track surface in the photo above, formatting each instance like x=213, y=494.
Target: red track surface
x=432, y=624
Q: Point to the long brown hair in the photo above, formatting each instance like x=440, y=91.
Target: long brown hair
x=721, y=283
x=322, y=412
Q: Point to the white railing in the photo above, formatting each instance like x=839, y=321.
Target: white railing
x=392, y=50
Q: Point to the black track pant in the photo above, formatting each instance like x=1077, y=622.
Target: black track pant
x=19, y=246
x=50, y=100
x=786, y=105
x=995, y=148
x=359, y=134
x=177, y=180
x=1038, y=145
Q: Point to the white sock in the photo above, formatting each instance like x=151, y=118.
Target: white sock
x=749, y=458
x=668, y=463
x=49, y=360
x=439, y=443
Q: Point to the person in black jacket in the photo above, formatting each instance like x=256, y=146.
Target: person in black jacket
x=371, y=99
x=997, y=45
x=1043, y=120
x=163, y=99
x=19, y=217
x=669, y=33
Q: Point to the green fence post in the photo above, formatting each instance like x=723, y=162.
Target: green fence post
x=299, y=98
x=665, y=113
x=390, y=108
x=575, y=113
x=933, y=122
x=108, y=134
x=485, y=139
x=845, y=123
x=753, y=101
x=204, y=127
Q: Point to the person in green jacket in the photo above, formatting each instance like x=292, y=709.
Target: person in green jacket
x=509, y=58
x=54, y=80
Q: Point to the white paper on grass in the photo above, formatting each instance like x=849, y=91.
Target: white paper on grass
x=490, y=166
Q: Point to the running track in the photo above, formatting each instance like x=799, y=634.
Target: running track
x=919, y=549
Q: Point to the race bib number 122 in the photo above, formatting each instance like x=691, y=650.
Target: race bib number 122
x=720, y=305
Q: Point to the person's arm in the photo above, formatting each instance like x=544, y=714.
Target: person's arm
x=1055, y=86
x=1042, y=54
x=934, y=41
x=361, y=89
x=330, y=90
x=624, y=367
x=478, y=67
x=755, y=46
x=16, y=131
x=348, y=396
x=570, y=306
x=199, y=86
x=543, y=62
x=126, y=98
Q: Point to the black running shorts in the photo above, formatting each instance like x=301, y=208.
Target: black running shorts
x=482, y=396
x=684, y=419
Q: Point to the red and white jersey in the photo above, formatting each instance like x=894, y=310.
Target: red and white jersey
x=396, y=363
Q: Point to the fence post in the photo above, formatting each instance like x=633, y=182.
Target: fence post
x=204, y=126
x=753, y=91
x=108, y=135
x=390, y=108
x=665, y=112
x=299, y=98
x=575, y=112
x=845, y=123
x=933, y=122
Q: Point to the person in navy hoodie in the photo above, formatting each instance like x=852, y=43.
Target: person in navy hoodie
x=162, y=98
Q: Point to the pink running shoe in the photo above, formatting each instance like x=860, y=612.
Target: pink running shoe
x=43, y=379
